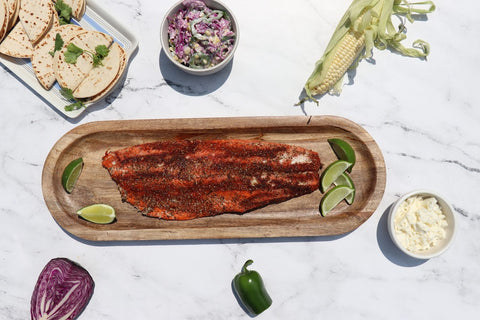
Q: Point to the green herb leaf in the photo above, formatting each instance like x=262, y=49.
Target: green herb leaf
x=68, y=94
x=97, y=60
x=74, y=106
x=72, y=53
x=64, y=12
x=101, y=51
x=58, y=44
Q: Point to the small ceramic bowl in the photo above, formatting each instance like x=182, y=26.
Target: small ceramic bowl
x=440, y=246
x=165, y=45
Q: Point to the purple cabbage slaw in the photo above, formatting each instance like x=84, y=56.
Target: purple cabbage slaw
x=200, y=37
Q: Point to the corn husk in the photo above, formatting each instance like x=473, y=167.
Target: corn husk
x=373, y=18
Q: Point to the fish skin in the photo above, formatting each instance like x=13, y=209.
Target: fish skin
x=188, y=179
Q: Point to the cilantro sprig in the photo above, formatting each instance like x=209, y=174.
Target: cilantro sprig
x=58, y=44
x=76, y=104
x=64, y=12
x=73, y=52
x=101, y=52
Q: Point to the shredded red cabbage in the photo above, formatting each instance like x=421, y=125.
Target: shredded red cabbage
x=62, y=291
x=200, y=37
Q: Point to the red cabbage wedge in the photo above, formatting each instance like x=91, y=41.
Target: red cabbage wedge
x=63, y=290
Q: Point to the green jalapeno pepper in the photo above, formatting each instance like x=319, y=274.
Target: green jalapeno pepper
x=249, y=287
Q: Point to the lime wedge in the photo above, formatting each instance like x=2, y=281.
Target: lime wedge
x=71, y=173
x=345, y=180
x=343, y=150
x=333, y=197
x=332, y=172
x=98, y=213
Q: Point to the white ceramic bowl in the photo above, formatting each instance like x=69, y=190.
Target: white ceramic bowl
x=165, y=45
x=443, y=244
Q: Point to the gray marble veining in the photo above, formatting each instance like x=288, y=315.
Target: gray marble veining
x=424, y=115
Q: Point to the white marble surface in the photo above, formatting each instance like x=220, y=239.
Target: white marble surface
x=424, y=115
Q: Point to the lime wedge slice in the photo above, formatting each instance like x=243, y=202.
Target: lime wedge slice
x=333, y=197
x=345, y=180
x=98, y=213
x=71, y=173
x=343, y=150
x=332, y=172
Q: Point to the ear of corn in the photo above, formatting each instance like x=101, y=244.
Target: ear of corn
x=365, y=25
x=329, y=71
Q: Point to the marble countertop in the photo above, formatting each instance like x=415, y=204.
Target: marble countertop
x=423, y=115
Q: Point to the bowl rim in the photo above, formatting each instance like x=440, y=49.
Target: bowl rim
x=207, y=71
x=447, y=211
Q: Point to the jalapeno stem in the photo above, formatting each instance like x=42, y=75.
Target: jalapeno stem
x=246, y=264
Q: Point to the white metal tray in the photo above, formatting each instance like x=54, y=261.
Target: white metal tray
x=95, y=18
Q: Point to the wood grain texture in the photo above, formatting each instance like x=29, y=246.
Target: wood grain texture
x=293, y=218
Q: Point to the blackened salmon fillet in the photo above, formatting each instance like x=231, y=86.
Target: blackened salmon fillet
x=187, y=179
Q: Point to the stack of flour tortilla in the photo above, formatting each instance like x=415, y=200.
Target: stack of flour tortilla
x=29, y=28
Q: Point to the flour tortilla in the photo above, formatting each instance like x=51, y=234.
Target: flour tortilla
x=82, y=10
x=17, y=44
x=12, y=8
x=121, y=70
x=42, y=60
x=70, y=75
x=78, y=8
x=99, y=78
x=91, y=39
x=3, y=18
x=36, y=17
x=56, y=18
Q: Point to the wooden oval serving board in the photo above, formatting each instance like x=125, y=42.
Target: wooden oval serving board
x=293, y=218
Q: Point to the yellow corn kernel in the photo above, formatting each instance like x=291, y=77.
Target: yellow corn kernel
x=343, y=56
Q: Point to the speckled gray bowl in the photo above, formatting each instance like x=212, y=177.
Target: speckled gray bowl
x=442, y=245
x=200, y=72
